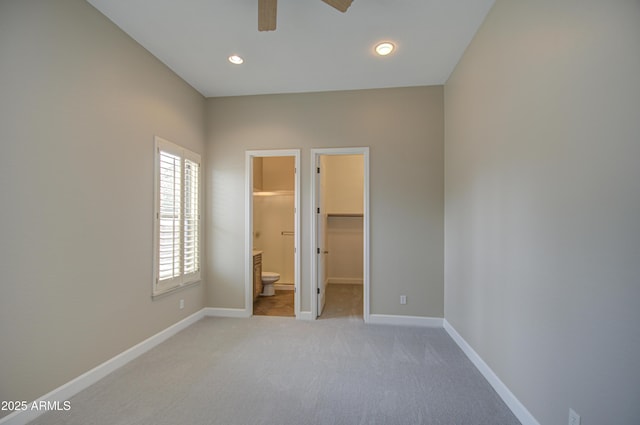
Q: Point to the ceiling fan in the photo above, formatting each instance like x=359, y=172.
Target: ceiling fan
x=267, y=10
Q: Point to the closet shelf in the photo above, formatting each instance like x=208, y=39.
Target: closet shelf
x=345, y=215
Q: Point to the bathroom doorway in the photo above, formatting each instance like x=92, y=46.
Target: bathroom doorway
x=340, y=233
x=272, y=233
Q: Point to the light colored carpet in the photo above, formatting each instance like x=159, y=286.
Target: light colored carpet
x=281, y=371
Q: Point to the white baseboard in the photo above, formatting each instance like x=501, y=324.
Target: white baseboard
x=345, y=280
x=284, y=286
x=305, y=315
x=518, y=409
x=390, y=319
x=226, y=312
x=73, y=387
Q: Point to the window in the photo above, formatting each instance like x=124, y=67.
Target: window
x=177, y=217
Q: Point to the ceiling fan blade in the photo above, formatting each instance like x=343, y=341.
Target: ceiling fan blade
x=341, y=5
x=267, y=10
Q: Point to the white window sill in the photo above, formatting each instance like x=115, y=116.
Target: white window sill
x=161, y=294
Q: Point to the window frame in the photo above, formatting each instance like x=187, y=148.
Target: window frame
x=165, y=286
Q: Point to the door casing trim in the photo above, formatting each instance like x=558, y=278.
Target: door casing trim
x=248, y=224
x=315, y=155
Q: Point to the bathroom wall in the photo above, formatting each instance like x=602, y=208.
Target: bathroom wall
x=257, y=173
x=278, y=173
x=273, y=214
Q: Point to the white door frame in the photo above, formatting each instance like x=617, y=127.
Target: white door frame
x=248, y=224
x=315, y=155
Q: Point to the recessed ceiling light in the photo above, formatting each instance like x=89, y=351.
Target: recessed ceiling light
x=235, y=59
x=383, y=49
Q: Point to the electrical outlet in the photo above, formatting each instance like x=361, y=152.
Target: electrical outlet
x=181, y=304
x=403, y=299
x=574, y=418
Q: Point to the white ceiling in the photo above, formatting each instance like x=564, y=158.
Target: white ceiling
x=315, y=47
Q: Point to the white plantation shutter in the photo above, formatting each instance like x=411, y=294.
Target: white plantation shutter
x=191, y=223
x=177, y=228
x=169, y=234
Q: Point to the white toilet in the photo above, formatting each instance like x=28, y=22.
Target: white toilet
x=268, y=279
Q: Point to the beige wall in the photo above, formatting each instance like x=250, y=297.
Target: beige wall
x=80, y=105
x=345, y=184
x=543, y=205
x=344, y=242
x=278, y=173
x=344, y=190
x=257, y=174
x=404, y=130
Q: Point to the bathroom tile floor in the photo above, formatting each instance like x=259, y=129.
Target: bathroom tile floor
x=343, y=301
x=280, y=304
